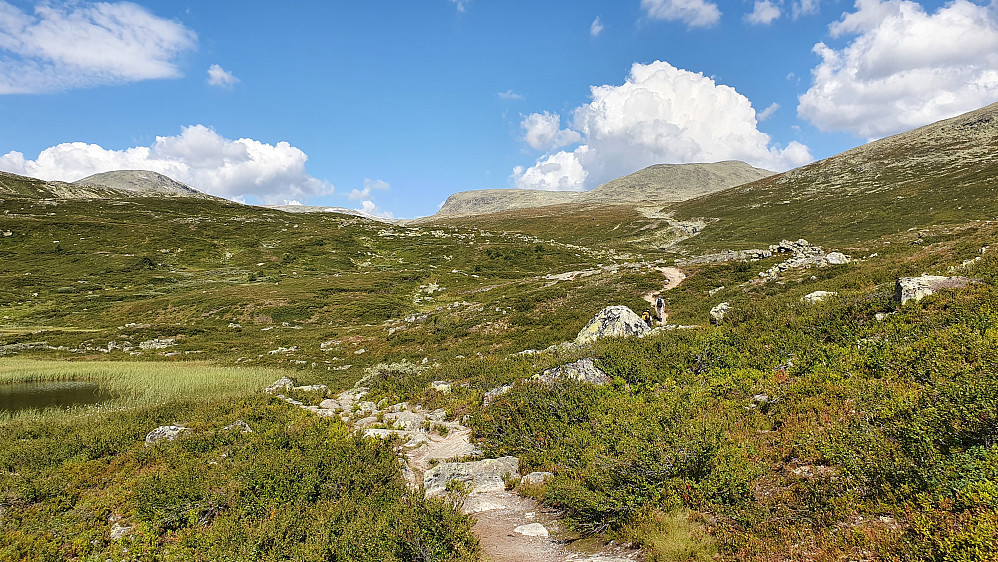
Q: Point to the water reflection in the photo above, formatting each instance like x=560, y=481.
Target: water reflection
x=40, y=395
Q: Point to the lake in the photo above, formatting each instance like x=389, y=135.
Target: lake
x=40, y=395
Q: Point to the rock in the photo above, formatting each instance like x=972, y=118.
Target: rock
x=836, y=258
x=164, y=433
x=761, y=399
x=282, y=383
x=482, y=476
x=583, y=370
x=536, y=478
x=496, y=392
x=718, y=312
x=312, y=388
x=917, y=288
x=441, y=386
x=532, y=530
x=409, y=421
x=158, y=343
x=612, y=321
x=817, y=296
x=242, y=426
x=330, y=404
x=119, y=530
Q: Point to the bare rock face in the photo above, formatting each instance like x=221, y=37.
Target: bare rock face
x=482, y=476
x=583, y=370
x=612, y=321
x=917, y=288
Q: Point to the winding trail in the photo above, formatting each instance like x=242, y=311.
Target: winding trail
x=674, y=277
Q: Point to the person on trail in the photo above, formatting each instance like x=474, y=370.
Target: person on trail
x=660, y=309
x=647, y=318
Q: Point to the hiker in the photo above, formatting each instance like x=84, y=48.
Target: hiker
x=647, y=318
x=660, y=309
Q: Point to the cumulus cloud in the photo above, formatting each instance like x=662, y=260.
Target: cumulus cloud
x=218, y=76
x=661, y=114
x=903, y=68
x=694, y=13
x=369, y=185
x=510, y=95
x=370, y=208
x=461, y=5
x=596, y=27
x=542, y=131
x=763, y=13
x=198, y=156
x=804, y=8
x=65, y=45
x=768, y=112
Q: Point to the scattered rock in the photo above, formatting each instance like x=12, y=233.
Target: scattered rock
x=836, y=258
x=409, y=421
x=491, y=395
x=612, y=321
x=536, y=478
x=242, y=426
x=442, y=387
x=280, y=384
x=917, y=288
x=119, y=530
x=159, y=343
x=482, y=476
x=583, y=370
x=164, y=433
x=817, y=296
x=718, y=312
x=312, y=388
x=761, y=399
x=532, y=530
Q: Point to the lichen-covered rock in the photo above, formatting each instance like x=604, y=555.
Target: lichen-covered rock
x=282, y=383
x=718, y=312
x=532, y=530
x=442, y=387
x=536, y=478
x=917, y=288
x=496, y=392
x=612, y=321
x=482, y=476
x=583, y=370
x=240, y=426
x=836, y=258
x=164, y=433
x=817, y=296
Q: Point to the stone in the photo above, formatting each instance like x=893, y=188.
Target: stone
x=718, y=312
x=817, y=296
x=119, y=530
x=409, y=421
x=612, y=321
x=532, y=530
x=159, y=343
x=164, y=433
x=836, y=258
x=312, y=388
x=242, y=426
x=282, y=383
x=442, y=387
x=496, y=392
x=482, y=476
x=536, y=478
x=917, y=288
x=583, y=370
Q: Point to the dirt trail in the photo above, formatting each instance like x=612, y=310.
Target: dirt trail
x=673, y=278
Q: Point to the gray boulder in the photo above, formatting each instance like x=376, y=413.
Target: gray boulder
x=282, y=383
x=496, y=392
x=817, y=296
x=536, y=478
x=164, y=433
x=718, y=312
x=610, y=322
x=583, y=370
x=480, y=476
x=836, y=258
x=917, y=288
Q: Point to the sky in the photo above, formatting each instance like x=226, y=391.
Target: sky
x=391, y=106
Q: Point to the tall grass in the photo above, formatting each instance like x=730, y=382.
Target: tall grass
x=145, y=383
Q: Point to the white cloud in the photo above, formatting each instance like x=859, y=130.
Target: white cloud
x=369, y=185
x=661, y=114
x=370, y=208
x=218, y=76
x=292, y=202
x=764, y=13
x=804, y=8
x=461, y=5
x=694, y=13
x=65, y=45
x=198, y=156
x=542, y=131
x=904, y=68
x=510, y=95
x=596, y=28
x=768, y=112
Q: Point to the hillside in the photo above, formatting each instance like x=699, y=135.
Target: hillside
x=661, y=182
x=140, y=182
x=22, y=186
x=943, y=173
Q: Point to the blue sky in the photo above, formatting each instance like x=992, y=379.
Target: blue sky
x=391, y=106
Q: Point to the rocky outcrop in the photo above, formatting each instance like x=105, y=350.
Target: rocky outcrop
x=804, y=255
x=917, y=288
x=718, y=312
x=612, y=321
x=280, y=384
x=583, y=370
x=817, y=296
x=475, y=477
x=164, y=433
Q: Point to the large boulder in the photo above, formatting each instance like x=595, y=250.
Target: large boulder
x=917, y=288
x=164, y=433
x=477, y=477
x=817, y=296
x=612, y=321
x=583, y=370
x=718, y=313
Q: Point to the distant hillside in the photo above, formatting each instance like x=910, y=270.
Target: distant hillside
x=328, y=209
x=141, y=182
x=13, y=184
x=942, y=173
x=661, y=182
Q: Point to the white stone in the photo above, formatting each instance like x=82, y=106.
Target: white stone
x=532, y=530
x=817, y=296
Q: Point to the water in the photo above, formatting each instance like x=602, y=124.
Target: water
x=40, y=395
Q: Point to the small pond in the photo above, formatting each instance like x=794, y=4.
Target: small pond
x=40, y=395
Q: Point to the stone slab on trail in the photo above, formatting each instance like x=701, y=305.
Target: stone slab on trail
x=482, y=476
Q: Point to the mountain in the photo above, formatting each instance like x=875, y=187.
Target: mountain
x=328, y=209
x=23, y=186
x=140, y=182
x=942, y=173
x=661, y=182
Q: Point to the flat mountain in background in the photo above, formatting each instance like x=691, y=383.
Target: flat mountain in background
x=661, y=182
x=140, y=182
x=942, y=173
